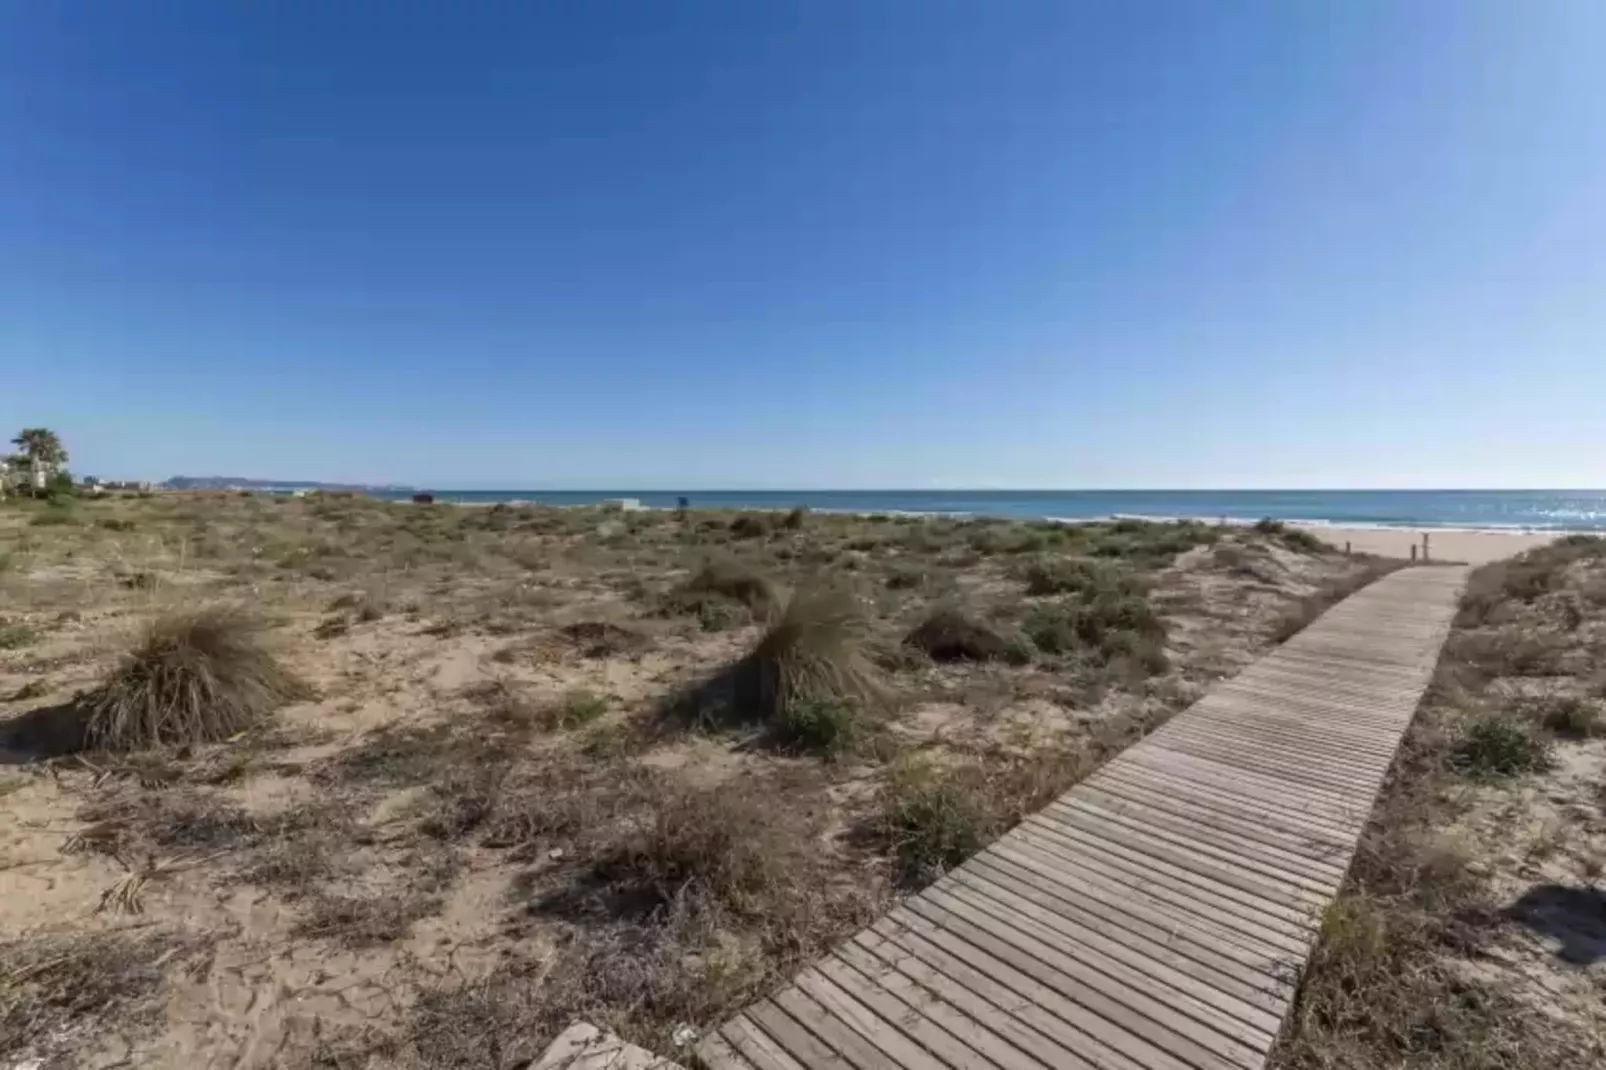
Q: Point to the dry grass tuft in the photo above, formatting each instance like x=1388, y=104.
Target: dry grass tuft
x=197, y=676
x=55, y=991
x=813, y=653
x=721, y=845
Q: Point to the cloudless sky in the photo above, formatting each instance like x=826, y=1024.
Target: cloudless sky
x=809, y=243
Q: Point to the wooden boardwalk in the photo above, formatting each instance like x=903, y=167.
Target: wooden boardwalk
x=1156, y=916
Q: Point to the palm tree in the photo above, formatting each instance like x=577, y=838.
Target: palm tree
x=42, y=452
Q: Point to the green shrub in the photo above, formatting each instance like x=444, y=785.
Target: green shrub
x=793, y=521
x=115, y=523
x=933, y=822
x=579, y=707
x=1493, y=745
x=827, y=725
x=1108, y=627
x=1080, y=575
x=17, y=634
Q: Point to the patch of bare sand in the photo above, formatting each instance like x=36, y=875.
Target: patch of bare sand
x=1467, y=546
x=1540, y=846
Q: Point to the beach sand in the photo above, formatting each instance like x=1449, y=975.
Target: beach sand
x=1472, y=547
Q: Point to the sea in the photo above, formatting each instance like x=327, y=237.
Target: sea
x=1513, y=510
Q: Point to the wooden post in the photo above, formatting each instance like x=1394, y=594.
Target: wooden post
x=1413, y=553
x=1346, y=547
x=1424, y=546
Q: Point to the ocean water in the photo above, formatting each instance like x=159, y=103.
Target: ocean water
x=1540, y=510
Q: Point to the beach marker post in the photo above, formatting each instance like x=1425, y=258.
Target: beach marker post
x=1413, y=553
x=1424, y=546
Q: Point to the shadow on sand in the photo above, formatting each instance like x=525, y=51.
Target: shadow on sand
x=44, y=733
x=1576, y=917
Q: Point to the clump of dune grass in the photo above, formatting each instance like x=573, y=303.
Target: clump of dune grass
x=814, y=651
x=721, y=592
x=949, y=634
x=196, y=676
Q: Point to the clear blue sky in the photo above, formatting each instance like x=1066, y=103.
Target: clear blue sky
x=809, y=243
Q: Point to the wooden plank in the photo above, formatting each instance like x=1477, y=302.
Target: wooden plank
x=1155, y=916
x=1124, y=1015
x=1210, y=962
x=1172, y=899
x=717, y=1054
x=956, y=965
x=755, y=1047
x=1254, y=916
x=978, y=1033
x=1137, y=909
x=1140, y=961
x=1253, y=856
x=1087, y=1011
x=801, y=1045
x=897, y=1047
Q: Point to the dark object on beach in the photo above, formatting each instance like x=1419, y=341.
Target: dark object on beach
x=682, y=506
x=423, y=498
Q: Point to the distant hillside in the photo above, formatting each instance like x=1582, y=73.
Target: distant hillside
x=240, y=483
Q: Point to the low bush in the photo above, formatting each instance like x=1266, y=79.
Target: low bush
x=730, y=848
x=579, y=707
x=825, y=725
x=949, y=634
x=1080, y=575
x=1107, y=627
x=933, y=824
x=1493, y=745
x=16, y=634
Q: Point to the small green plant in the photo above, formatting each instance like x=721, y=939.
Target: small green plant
x=793, y=521
x=16, y=635
x=826, y=725
x=1494, y=745
x=933, y=822
x=579, y=707
x=115, y=523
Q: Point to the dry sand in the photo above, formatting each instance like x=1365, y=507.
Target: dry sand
x=1461, y=544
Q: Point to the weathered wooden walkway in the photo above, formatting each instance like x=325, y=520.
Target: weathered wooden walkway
x=1156, y=916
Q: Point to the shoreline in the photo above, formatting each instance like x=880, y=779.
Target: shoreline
x=1472, y=546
